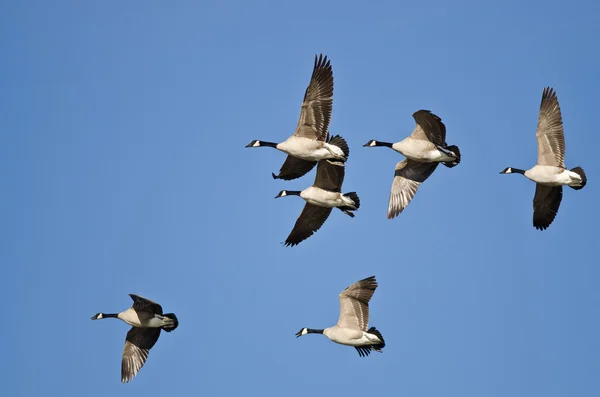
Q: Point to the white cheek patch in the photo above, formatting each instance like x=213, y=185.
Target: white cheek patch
x=373, y=143
x=283, y=194
x=256, y=144
x=304, y=331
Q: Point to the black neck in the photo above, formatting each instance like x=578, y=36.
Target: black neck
x=386, y=144
x=268, y=144
x=293, y=192
x=517, y=171
x=314, y=331
x=110, y=315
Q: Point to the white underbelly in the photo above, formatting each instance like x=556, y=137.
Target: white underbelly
x=350, y=337
x=309, y=149
x=549, y=175
x=322, y=198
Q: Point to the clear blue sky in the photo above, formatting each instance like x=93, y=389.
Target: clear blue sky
x=123, y=170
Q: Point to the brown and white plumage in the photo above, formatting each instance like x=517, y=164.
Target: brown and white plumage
x=550, y=173
x=308, y=144
x=424, y=149
x=321, y=198
x=147, y=320
x=352, y=328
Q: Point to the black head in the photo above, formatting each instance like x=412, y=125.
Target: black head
x=512, y=170
x=254, y=143
x=98, y=316
x=303, y=331
x=374, y=143
x=284, y=193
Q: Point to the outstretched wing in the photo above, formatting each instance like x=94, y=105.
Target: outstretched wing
x=138, y=343
x=408, y=177
x=315, y=113
x=429, y=127
x=545, y=205
x=354, y=304
x=549, y=134
x=310, y=220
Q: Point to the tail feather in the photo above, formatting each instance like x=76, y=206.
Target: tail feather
x=175, y=324
x=375, y=332
x=341, y=143
x=364, y=351
x=454, y=149
x=348, y=209
x=354, y=197
x=579, y=171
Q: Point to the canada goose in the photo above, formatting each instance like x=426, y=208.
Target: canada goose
x=308, y=144
x=147, y=319
x=424, y=149
x=321, y=197
x=549, y=173
x=351, y=328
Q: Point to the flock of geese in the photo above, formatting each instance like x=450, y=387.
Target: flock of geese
x=310, y=145
x=424, y=149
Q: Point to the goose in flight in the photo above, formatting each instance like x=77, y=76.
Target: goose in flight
x=308, y=145
x=549, y=173
x=424, y=149
x=351, y=328
x=147, y=319
x=321, y=198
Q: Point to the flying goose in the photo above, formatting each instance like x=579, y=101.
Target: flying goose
x=424, y=149
x=321, y=197
x=308, y=144
x=550, y=173
x=351, y=328
x=147, y=319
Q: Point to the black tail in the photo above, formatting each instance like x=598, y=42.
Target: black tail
x=170, y=327
x=579, y=171
x=341, y=143
x=364, y=351
x=454, y=149
x=354, y=197
x=348, y=210
x=374, y=331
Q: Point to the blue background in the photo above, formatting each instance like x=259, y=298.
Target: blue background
x=123, y=170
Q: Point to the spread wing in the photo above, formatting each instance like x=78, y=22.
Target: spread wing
x=408, y=176
x=549, y=134
x=429, y=128
x=310, y=220
x=139, y=302
x=545, y=205
x=354, y=304
x=329, y=176
x=138, y=343
x=315, y=113
x=294, y=167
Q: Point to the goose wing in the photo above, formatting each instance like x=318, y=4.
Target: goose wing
x=354, y=304
x=549, y=134
x=143, y=304
x=408, y=176
x=329, y=176
x=294, y=167
x=545, y=205
x=315, y=113
x=310, y=220
x=429, y=128
x=138, y=343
